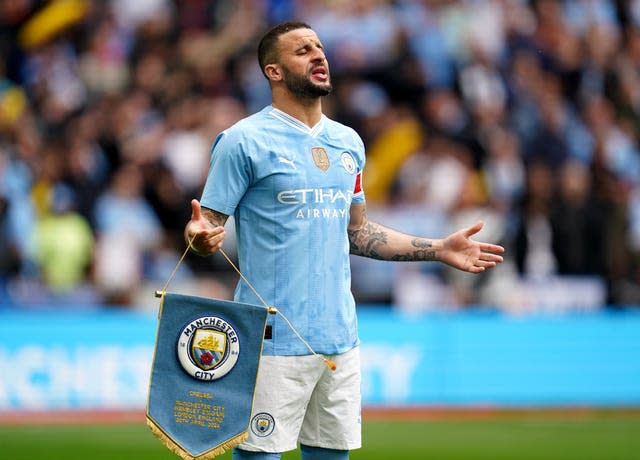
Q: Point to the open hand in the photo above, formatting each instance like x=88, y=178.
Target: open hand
x=461, y=252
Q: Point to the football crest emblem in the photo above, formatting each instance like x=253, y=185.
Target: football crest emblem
x=348, y=162
x=262, y=424
x=320, y=158
x=208, y=348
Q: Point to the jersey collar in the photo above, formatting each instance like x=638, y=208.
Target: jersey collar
x=295, y=123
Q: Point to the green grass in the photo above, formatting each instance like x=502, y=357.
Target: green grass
x=608, y=437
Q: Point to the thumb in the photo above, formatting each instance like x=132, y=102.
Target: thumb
x=196, y=210
x=475, y=228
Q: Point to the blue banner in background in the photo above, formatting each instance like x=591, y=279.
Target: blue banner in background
x=494, y=359
x=101, y=360
x=74, y=360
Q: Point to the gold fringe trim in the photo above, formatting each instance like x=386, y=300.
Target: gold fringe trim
x=178, y=450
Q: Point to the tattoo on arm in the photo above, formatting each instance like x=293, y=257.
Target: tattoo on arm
x=423, y=251
x=215, y=217
x=365, y=241
x=372, y=240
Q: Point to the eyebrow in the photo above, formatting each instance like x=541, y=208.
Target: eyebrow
x=307, y=43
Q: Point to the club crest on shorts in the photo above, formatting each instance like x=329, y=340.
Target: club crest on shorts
x=262, y=424
x=208, y=348
x=320, y=158
x=348, y=162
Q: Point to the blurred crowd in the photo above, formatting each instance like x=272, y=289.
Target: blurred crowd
x=522, y=113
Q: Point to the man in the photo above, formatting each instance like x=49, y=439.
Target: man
x=293, y=180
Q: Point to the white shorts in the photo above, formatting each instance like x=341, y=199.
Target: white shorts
x=299, y=399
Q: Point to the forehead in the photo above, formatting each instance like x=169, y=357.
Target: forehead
x=297, y=38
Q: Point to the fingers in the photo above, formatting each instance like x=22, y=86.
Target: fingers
x=481, y=265
x=476, y=269
x=208, y=241
x=489, y=257
x=196, y=210
x=488, y=247
x=475, y=228
x=484, y=247
x=200, y=234
x=486, y=260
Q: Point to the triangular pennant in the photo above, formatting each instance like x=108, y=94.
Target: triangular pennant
x=203, y=374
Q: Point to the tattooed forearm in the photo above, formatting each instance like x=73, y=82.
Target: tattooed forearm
x=215, y=217
x=424, y=251
x=374, y=241
x=365, y=240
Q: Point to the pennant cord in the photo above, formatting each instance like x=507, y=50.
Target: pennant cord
x=328, y=362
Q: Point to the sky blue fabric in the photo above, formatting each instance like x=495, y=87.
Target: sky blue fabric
x=290, y=188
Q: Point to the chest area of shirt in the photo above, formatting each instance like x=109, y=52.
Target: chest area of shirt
x=309, y=163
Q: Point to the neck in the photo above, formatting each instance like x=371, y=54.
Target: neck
x=306, y=110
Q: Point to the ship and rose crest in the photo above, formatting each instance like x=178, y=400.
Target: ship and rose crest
x=208, y=348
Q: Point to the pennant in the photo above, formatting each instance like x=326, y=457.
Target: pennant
x=203, y=374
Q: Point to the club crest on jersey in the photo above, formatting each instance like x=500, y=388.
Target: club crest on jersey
x=320, y=158
x=262, y=424
x=348, y=162
x=208, y=348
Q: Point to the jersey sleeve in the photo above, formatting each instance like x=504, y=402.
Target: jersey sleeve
x=229, y=174
x=358, y=190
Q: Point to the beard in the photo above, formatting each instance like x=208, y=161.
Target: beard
x=302, y=86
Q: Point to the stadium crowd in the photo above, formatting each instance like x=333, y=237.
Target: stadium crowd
x=524, y=113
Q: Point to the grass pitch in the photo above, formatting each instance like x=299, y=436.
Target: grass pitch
x=602, y=436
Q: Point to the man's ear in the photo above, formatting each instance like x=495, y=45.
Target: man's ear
x=273, y=72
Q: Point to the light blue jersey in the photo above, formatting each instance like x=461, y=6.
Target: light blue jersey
x=290, y=188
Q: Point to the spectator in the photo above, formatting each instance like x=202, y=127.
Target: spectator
x=64, y=245
x=578, y=221
x=460, y=103
x=127, y=231
x=533, y=237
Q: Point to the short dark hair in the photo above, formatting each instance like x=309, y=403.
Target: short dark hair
x=267, y=49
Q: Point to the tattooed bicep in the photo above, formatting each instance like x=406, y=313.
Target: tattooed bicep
x=215, y=217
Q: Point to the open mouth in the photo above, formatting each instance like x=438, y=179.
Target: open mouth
x=320, y=73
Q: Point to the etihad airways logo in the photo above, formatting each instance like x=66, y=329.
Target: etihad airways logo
x=314, y=196
x=318, y=203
